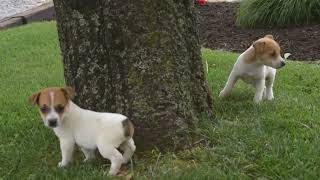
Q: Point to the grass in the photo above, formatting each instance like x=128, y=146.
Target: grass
x=275, y=140
x=277, y=13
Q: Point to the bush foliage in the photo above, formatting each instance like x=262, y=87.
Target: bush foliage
x=277, y=13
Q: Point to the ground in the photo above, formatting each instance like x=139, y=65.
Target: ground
x=12, y=7
x=275, y=140
x=218, y=31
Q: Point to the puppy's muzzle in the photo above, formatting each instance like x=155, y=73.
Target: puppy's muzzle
x=52, y=122
x=281, y=64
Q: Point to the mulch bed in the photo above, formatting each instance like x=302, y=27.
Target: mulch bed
x=218, y=31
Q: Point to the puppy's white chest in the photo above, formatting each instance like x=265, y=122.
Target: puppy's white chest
x=249, y=78
x=251, y=73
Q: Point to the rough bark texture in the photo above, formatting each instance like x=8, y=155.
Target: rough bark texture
x=140, y=58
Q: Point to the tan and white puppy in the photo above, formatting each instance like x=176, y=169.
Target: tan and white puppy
x=257, y=66
x=88, y=129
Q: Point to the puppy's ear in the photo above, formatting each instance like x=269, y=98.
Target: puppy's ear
x=259, y=45
x=269, y=36
x=34, y=99
x=68, y=92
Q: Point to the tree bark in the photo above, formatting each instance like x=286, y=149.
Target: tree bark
x=140, y=58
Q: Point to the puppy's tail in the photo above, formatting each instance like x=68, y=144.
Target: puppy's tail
x=128, y=128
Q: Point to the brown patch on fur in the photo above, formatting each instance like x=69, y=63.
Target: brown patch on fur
x=259, y=46
x=43, y=100
x=266, y=46
x=128, y=128
x=250, y=56
x=269, y=36
x=60, y=97
x=34, y=98
x=68, y=92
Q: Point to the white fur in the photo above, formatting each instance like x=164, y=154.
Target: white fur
x=256, y=73
x=52, y=115
x=93, y=130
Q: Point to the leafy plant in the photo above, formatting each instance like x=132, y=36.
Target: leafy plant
x=277, y=13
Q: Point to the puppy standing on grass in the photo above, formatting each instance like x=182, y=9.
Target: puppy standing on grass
x=88, y=129
x=257, y=66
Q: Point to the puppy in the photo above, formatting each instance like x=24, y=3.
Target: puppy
x=257, y=66
x=88, y=129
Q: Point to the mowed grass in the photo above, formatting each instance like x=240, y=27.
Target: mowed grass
x=273, y=140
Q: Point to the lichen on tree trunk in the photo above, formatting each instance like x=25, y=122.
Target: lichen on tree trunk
x=139, y=58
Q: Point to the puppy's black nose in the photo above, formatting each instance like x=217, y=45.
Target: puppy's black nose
x=52, y=122
x=283, y=63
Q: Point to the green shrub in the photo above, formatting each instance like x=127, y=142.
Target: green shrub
x=277, y=13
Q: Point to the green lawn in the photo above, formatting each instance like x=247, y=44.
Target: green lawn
x=275, y=140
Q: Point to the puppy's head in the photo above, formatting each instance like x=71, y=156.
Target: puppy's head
x=53, y=103
x=267, y=50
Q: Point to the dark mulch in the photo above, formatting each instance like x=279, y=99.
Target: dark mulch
x=218, y=31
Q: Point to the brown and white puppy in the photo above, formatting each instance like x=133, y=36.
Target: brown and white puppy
x=257, y=66
x=88, y=129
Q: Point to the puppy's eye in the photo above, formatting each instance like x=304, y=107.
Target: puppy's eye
x=44, y=109
x=59, y=108
x=273, y=54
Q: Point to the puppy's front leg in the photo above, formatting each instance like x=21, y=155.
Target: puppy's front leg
x=229, y=85
x=269, y=88
x=66, y=146
x=260, y=84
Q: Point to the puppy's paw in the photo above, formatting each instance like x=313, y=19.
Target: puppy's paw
x=61, y=165
x=257, y=101
x=110, y=173
x=270, y=98
x=87, y=159
x=223, y=94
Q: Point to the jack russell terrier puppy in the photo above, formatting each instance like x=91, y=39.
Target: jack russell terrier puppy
x=257, y=66
x=88, y=129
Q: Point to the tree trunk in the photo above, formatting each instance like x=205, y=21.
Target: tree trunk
x=140, y=58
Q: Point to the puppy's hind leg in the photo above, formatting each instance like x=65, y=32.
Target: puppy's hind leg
x=229, y=85
x=128, y=149
x=111, y=153
x=88, y=153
